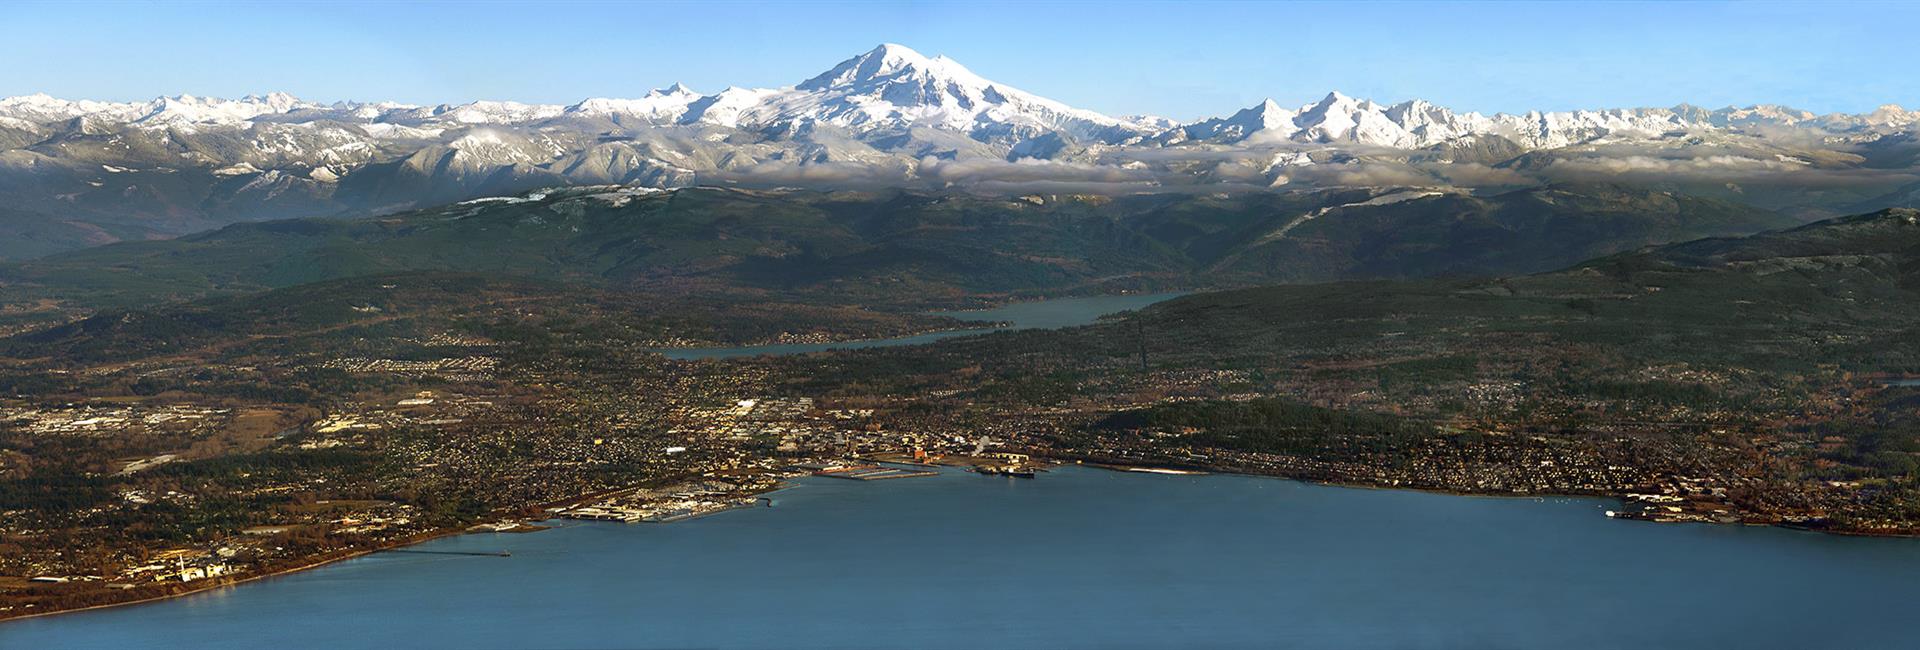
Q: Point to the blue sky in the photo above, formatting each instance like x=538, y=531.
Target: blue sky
x=1182, y=60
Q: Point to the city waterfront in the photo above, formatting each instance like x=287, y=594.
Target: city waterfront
x=1058, y=312
x=1076, y=558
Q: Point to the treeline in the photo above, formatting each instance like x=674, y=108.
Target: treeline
x=328, y=462
x=1670, y=393
x=57, y=490
x=1885, y=445
x=1270, y=425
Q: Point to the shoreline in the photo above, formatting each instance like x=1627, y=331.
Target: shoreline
x=1107, y=465
x=415, y=540
x=1178, y=470
x=418, y=539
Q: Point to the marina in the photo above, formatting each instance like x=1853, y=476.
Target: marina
x=668, y=504
x=877, y=473
x=663, y=513
x=863, y=471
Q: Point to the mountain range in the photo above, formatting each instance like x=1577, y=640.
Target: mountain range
x=79, y=173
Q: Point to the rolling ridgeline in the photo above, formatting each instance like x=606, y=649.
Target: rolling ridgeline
x=894, y=248
x=1404, y=298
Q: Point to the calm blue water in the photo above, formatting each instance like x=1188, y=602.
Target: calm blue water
x=1062, y=312
x=1075, y=558
x=1904, y=382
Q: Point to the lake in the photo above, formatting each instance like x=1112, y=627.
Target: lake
x=1076, y=558
x=1059, y=312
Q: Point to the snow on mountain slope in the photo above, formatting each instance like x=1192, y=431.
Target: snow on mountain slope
x=40, y=107
x=886, y=116
x=1266, y=121
x=1339, y=119
x=893, y=86
x=727, y=107
x=491, y=112
x=188, y=109
x=661, y=106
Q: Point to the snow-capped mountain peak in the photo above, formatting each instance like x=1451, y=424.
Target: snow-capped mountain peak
x=892, y=89
x=1264, y=121
x=1336, y=100
x=893, y=63
x=1339, y=118
x=41, y=107
x=893, y=86
x=674, y=90
x=496, y=112
x=188, y=109
x=889, y=115
x=660, y=105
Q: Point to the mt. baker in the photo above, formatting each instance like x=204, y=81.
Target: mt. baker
x=84, y=172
